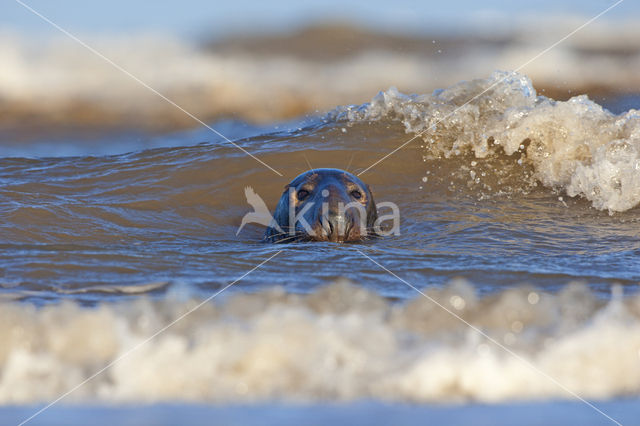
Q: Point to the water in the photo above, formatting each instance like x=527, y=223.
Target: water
x=518, y=216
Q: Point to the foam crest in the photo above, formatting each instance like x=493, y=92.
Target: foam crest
x=575, y=146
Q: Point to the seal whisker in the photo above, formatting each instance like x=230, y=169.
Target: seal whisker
x=307, y=160
x=281, y=234
x=297, y=237
x=351, y=160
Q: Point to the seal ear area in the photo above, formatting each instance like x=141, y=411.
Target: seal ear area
x=280, y=217
x=369, y=190
x=372, y=210
x=370, y=194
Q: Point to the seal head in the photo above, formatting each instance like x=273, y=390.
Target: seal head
x=324, y=205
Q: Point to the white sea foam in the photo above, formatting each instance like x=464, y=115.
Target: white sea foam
x=575, y=146
x=340, y=343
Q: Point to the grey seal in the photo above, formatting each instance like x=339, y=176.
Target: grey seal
x=324, y=205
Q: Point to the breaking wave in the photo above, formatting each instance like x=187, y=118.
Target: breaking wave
x=342, y=342
x=575, y=146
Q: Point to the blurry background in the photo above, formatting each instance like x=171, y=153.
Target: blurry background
x=260, y=63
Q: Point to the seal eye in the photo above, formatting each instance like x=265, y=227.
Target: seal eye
x=302, y=194
x=356, y=194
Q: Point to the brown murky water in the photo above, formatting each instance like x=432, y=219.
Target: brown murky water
x=505, y=206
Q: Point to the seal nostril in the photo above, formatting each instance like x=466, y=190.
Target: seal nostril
x=326, y=227
x=348, y=228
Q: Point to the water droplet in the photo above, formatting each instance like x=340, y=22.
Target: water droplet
x=517, y=326
x=457, y=302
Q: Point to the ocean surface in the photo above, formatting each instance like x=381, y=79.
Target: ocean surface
x=514, y=277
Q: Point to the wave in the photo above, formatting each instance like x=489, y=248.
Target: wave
x=342, y=342
x=485, y=136
x=575, y=146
